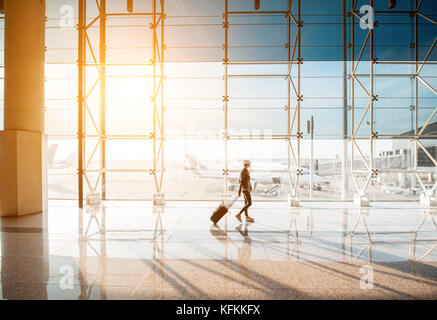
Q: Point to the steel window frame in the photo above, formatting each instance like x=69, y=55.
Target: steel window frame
x=157, y=136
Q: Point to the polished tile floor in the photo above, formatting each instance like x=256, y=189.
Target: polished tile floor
x=130, y=250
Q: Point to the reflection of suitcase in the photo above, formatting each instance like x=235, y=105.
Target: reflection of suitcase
x=222, y=210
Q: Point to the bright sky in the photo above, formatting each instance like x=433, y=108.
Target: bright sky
x=194, y=88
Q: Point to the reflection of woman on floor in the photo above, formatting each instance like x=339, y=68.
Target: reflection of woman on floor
x=245, y=251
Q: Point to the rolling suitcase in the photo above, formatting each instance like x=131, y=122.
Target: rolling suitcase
x=222, y=210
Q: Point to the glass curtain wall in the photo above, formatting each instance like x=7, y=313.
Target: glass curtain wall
x=245, y=85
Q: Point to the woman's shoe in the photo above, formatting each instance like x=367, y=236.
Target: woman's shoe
x=249, y=219
x=238, y=216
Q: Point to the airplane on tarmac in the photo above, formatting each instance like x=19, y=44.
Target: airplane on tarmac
x=393, y=189
x=68, y=162
x=267, y=178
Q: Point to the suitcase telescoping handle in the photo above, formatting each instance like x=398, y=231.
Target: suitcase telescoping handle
x=231, y=203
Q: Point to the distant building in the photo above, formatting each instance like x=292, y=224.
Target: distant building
x=404, y=147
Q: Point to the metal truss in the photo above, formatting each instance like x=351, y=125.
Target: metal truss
x=93, y=238
x=427, y=215
x=96, y=178
x=88, y=241
x=371, y=170
x=98, y=122
x=293, y=234
x=369, y=243
x=294, y=57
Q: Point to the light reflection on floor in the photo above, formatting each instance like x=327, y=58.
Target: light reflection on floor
x=130, y=250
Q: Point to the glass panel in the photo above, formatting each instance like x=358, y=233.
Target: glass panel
x=129, y=186
x=258, y=96
x=62, y=168
x=194, y=169
x=269, y=169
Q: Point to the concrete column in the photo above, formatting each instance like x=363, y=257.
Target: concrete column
x=21, y=165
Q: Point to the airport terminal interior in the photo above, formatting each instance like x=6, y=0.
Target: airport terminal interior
x=125, y=123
